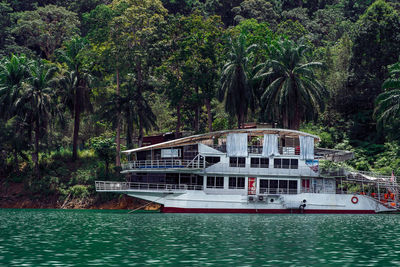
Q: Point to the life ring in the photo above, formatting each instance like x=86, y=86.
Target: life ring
x=354, y=200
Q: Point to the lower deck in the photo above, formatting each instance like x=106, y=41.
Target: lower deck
x=232, y=194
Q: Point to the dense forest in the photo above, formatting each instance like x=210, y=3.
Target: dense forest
x=82, y=80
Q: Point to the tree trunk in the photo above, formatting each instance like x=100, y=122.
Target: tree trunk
x=118, y=137
x=77, y=119
x=107, y=168
x=140, y=137
x=129, y=129
x=16, y=163
x=197, y=113
x=36, y=154
x=139, y=91
x=178, y=120
x=209, y=115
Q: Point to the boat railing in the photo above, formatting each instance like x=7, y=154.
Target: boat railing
x=164, y=164
x=129, y=186
x=278, y=191
x=257, y=149
x=251, y=169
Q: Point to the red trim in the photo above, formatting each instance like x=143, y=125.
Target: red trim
x=309, y=211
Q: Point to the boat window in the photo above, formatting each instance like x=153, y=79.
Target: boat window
x=213, y=160
x=254, y=162
x=215, y=182
x=232, y=162
x=237, y=162
x=264, y=162
x=273, y=186
x=294, y=163
x=286, y=163
x=236, y=182
x=219, y=182
x=241, y=162
x=277, y=163
x=264, y=186
x=210, y=182
x=283, y=186
x=259, y=162
x=292, y=187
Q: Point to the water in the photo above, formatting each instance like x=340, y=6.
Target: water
x=88, y=238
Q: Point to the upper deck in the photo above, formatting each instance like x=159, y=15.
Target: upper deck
x=244, y=151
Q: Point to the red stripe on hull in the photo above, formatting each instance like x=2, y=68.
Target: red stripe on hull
x=314, y=211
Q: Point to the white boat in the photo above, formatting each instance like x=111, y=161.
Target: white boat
x=250, y=171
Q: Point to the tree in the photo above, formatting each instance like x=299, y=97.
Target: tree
x=131, y=106
x=387, y=107
x=292, y=91
x=76, y=82
x=375, y=43
x=5, y=23
x=261, y=10
x=14, y=71
x=36, y=104
x=45, y=29
x=105, y=149
x=139, y=30
x=236, y=87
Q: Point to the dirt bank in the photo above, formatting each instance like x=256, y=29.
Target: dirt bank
x=13, y=195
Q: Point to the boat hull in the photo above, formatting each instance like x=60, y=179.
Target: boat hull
x=265, y=211
x=201, y=202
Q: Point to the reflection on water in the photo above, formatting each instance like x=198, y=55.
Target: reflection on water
x=85, y=238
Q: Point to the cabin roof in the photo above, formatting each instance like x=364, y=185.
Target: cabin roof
x=200, y=137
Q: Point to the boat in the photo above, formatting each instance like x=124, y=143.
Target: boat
x=261, y=170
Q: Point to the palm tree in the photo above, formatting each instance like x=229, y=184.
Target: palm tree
x=36, y=104
x=134, y=107
x=77, y=81
x=236, y=86
x=388, y=103
x=292, y=91
x=13, y=72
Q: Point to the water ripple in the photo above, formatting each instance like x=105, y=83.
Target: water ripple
x=98, y=238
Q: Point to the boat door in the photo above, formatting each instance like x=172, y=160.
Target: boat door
x=252, y=189
x=305, y=185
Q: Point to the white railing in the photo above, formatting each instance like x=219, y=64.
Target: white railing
x=254, y=149
x=278, y=191
x=248, y=170
x=128, y=186
x=164, y=164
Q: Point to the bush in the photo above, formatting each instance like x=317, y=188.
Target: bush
x=78, y=191
x=83, y=176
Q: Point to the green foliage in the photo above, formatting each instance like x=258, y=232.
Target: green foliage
x=260, y=10
x=236, y=89
x=45, y=29
x=142, y=64
x=292, y=93
x=105, y=149
x=78, y=191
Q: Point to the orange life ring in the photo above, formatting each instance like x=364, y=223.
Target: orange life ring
x=354, y=200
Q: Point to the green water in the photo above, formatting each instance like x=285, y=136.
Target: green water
x=86, y=238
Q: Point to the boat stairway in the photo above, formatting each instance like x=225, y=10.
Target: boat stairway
x=386, y=200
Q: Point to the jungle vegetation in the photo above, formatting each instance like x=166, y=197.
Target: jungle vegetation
x=84, y=78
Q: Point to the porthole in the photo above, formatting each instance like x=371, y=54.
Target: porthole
x=272, y=200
